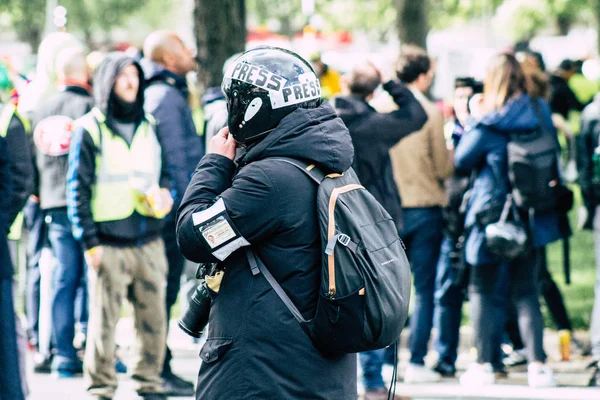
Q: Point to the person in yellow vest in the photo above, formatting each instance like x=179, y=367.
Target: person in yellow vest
x=328, y=77
x=117, y=196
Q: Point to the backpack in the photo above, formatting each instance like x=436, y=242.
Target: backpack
x=365, y=274
x=533, y=168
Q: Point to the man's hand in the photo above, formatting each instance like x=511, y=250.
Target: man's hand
x=223, y=144
x=160, y=201
x=93, y=257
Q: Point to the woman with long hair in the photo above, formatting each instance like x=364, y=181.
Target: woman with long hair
x=503, y=110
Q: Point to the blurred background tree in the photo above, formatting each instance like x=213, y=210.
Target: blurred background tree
x=220, y=32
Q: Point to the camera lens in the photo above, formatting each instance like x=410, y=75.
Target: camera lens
x=195, y=318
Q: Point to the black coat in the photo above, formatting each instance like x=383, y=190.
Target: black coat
x=6, y=189
x=374, y=134
x=562, y=98
x=588, y=141
x=166, y=99
x=255, y=348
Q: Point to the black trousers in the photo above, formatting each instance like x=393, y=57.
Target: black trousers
x=553, y=299
x=176, y=263
x=491, y=289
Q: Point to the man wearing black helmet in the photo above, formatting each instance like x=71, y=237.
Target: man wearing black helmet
x=255, y=348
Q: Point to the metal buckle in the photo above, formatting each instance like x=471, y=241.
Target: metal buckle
x=344, y=239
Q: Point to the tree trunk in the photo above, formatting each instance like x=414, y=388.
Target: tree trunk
x=596, y=11
x=412, y=22
x=220, y=29
x=564, y=23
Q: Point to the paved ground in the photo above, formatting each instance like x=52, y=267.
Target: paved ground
x=572, y=377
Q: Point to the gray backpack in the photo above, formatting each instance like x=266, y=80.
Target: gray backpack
x=533, y=168
x=365, y=276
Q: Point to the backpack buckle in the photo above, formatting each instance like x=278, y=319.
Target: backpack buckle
x=344, y=239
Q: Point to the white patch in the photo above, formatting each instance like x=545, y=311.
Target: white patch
x=52, y=135
x=218, y=231
x=280, y=93
x=252, y=109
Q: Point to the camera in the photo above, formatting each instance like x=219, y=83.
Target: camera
x=195, y=318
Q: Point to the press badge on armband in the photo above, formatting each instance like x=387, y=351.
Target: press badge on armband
x=218, y=231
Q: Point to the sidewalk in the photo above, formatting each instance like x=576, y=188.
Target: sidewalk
x=571, y=375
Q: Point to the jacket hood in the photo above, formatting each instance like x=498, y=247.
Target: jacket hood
x=517, y=115
x=154, y=71
x=351, y=108
x=106, y=75
x=315, y=135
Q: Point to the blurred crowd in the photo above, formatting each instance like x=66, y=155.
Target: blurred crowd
x=97, y=151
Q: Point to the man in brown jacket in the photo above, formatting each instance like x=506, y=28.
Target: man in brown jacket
x=420, y=163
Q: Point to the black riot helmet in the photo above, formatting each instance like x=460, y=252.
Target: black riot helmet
x=262, y=86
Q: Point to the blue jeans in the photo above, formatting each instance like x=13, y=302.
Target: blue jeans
x=422, y=235
x=449, y=299
x=36, y=240
x=371, y=363
x=69, y=273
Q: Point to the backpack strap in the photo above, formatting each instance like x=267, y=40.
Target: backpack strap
x=309, y=169
x=257, y=266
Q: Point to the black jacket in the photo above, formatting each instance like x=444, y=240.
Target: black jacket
x=374, y=134
x=52, y=124
x=6, y=270
x=562, y=98
x=588, y=141
x=166, y=99
x=21, y=166
x=255, y=348
x=134, y=230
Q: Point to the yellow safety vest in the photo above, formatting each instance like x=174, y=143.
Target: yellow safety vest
x=123, y=172
x=6, y=115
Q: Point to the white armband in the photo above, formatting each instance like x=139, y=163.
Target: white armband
x=217, y=231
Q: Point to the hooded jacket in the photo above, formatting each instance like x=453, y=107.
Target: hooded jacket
x=52, y=124
x=483, y=149
x=6, y=270
x=587, y=143
x=255, y=348
x=21, y=165
x=374, y=134
x=136, y=229
x=166, y=99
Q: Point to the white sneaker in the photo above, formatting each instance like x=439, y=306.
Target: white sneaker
x=478, y=375
x=540, y=376
x=420, y=374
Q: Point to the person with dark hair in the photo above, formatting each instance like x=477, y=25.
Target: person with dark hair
x=585, y=89
x=503, y=110
x=562, y=98
x=452, y=272
x=588, y=163
x=421, y=162
x=373, y=135
x=117, y=195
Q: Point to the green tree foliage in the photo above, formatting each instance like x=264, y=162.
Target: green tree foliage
x=27, y=18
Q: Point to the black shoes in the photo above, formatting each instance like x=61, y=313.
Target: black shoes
x=446, y=370
x=41, y=364
x=595, y=379
x=152, y=396
x=174, y=386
